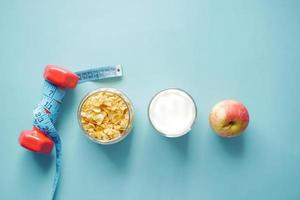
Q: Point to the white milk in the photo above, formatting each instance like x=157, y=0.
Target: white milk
x=172, y=112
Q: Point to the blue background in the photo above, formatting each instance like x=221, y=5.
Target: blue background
x=215, y=50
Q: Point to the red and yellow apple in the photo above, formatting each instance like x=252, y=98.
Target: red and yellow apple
x=229, y=118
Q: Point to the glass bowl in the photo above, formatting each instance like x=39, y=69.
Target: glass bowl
x=128, y=104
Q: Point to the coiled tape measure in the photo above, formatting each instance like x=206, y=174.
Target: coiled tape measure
x=44, y=136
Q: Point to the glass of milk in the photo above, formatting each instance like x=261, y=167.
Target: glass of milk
x=172, y=112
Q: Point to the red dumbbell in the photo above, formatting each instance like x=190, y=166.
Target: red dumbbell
x=35, y=140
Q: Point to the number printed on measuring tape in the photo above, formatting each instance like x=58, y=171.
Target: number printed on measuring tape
x=100, y=73
x=53, y=92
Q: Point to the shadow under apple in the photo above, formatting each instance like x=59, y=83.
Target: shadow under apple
x=234, y=146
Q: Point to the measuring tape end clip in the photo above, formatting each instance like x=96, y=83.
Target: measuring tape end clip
x=119, y=71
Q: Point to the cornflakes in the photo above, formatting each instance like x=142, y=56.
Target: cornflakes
x=104, y=116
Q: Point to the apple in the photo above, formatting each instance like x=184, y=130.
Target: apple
x=229, y=118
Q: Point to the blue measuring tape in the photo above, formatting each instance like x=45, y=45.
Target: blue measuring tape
x=46, y=112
